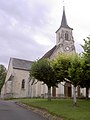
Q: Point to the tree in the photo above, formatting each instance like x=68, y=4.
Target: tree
x=85, y=83
x=86, y=48
x=67, y=67
x=2, y=75
x=75, y=73
x=86, y=65
x=60, y=66
x=42, y=71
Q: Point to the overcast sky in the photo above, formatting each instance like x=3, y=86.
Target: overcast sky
x=27, y=27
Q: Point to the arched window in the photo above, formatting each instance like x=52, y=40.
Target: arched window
x=66, y=36
x=23, y=84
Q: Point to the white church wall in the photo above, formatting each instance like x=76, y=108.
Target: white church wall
x=3, y=91
x=19, y=75
x=6, y=86
x=34, y=90
x=10, y=70
x=9, y=87
x=83, y=92
x=89, y=93
x=38, y=89
x=44, y=91
x=60, y=90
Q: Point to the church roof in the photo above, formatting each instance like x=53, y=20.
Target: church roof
x=21, y=64
x=49, y=53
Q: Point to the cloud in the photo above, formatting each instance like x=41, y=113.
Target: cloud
x=22, y=30
x=27, y=27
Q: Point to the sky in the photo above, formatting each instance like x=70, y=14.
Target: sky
x=27, y=27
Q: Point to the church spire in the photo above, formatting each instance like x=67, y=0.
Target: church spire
x=64, y=20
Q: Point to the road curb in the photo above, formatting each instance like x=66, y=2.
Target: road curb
x=39, y=111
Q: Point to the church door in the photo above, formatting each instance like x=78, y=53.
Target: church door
x=67, y=90
x=54, y=92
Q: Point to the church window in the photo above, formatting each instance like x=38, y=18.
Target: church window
x=66, y=36
x=23, y=84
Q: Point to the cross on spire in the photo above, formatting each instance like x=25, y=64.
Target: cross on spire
x=63, y=3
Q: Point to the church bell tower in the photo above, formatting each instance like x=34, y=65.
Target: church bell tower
x=64, y=37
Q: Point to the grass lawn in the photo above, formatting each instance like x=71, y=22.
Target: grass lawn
x=63, y=108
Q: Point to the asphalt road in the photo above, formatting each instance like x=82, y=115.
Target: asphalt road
x=11, y=111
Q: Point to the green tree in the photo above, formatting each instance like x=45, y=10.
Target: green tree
x=2, y=75
x=75, y=73
x=86, y=48
x=86, y=65
x=85, y=83
x=42, y=71
x=60, y=66
x=67, y=67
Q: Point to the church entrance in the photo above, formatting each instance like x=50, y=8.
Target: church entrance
x=67, y=90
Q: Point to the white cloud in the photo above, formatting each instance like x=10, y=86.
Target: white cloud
x=43, y=40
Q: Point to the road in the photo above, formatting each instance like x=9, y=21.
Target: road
x=11, y=111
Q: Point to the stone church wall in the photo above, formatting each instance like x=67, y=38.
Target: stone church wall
x=6, y=84
x=20, y=75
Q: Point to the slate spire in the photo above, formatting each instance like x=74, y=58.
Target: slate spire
x=64, y=20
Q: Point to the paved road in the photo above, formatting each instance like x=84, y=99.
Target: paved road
x=11, y=111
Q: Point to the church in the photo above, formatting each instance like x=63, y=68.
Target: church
x=18, y=84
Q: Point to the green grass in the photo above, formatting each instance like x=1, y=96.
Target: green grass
x=63, y=108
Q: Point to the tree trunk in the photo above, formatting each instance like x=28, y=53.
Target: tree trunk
x=49, y=93
x=87, y=92
x=74, y=96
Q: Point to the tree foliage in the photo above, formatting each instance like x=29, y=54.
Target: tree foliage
x=75, y=74
x=86, y=65
x=71, y=67
x=42, y=71
x=86, y=48
x=75, y=69
x=85, y=83
x=2, y=75
x=67, y=68
x=60, y=66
